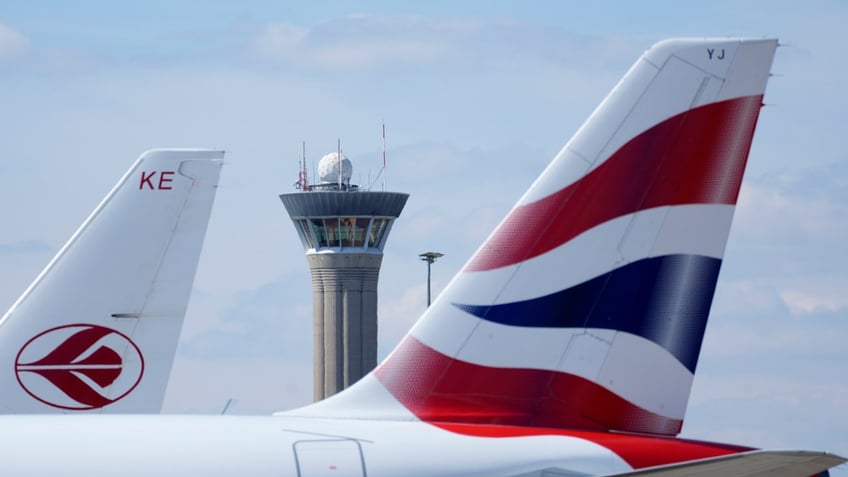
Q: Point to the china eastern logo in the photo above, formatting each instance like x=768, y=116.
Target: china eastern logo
x=79, y=367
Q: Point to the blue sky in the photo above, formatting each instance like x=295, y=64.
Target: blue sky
x=477, y=97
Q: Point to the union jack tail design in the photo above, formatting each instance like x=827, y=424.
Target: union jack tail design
x=586, y=307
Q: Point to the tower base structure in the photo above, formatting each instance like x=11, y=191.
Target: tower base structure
x=343, y=234
x=344, y=297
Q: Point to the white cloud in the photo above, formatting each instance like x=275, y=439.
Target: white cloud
x=363, y=42
x=279, y=41
x=758, y=338
x=766, y=208
x=820, y=293
x=790, y=391
x=397, y=314
x=348, y=43
x=272, y=321
x=781, y=411
x=775, y=296
x=16, y=49
x=12, y=43
x=256, y=386
x=744, y=297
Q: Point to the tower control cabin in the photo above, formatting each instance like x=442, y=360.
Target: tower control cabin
x=343, y=230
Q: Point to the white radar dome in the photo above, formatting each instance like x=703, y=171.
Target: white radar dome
x=328, y=168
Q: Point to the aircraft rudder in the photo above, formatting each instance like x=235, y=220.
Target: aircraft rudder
x=602, y=276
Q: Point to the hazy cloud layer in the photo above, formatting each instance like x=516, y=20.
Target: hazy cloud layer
x=367, y=42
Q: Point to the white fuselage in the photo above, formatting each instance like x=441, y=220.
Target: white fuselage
x=213, y=446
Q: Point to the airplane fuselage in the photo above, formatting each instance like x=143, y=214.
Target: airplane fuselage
x=216, y=446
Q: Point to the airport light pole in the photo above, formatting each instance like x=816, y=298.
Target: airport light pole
x=429, y=257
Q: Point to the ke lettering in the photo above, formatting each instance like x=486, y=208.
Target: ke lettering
x=149, y=180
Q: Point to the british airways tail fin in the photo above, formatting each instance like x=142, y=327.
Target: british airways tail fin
x=98, y=328
x=586, y=306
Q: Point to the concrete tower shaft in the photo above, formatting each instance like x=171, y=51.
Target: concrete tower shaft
x=343, y=234
x=344, y=297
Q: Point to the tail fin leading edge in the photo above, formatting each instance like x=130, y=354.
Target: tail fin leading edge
x=586, y=307
x=98, y=328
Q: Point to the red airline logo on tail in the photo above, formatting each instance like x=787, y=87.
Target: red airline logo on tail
x=79, y=367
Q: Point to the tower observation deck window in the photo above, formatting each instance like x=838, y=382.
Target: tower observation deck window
x=343, y=232
x=353, y=231
x=378, y=230
x=320, y=233
x=333, y=231
x=305, y=232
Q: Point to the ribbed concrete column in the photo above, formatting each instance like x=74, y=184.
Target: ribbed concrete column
x=345, y=323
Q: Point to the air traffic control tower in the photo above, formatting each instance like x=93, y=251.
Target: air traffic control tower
x=343, y=229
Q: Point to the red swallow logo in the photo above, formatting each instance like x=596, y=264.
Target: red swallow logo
x=79, y=367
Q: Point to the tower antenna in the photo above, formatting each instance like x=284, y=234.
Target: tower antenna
x=385, y=173
x=302, y=175
x=339, y=157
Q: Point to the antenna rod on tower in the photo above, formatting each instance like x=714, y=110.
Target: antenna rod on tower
x=385, y=172
x=299, y=183
x=339, y=157
x=305, y=178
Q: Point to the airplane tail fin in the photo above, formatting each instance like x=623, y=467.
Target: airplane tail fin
x=586, y=307
x=98, y=328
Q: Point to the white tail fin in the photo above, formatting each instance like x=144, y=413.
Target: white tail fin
x=98, y=328
x=586, y=307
